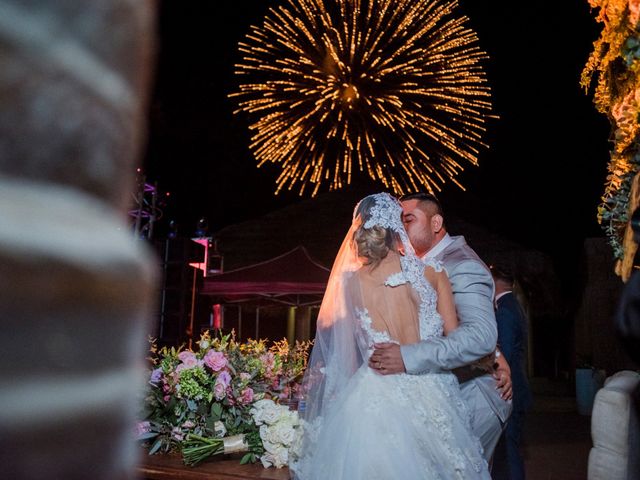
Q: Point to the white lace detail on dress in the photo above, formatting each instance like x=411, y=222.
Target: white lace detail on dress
x=430, y=320
x=371, y=336
x=396, y=279
x=437, y=265
x=436, y=414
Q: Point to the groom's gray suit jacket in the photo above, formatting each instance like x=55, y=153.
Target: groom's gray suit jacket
x=476, y=334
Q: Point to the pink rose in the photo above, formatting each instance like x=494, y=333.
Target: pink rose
x=187, y=356
x=219, y=390
x=188, y=359
x=220, y=387
x=216, y=361
x=247, y=396
x=245, y=376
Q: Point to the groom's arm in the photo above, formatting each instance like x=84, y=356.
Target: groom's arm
x=476, y=335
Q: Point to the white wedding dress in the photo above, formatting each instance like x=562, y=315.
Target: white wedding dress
x=386, y=427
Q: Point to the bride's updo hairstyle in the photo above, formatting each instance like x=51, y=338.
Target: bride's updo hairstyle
x=373, y=243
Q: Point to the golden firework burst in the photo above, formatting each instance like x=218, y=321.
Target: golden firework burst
x=393, y=88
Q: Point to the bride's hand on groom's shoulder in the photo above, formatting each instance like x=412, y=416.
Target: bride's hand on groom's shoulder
x=386, y=359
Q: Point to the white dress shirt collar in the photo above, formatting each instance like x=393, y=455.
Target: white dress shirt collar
x=498, y=297
x=439, y=247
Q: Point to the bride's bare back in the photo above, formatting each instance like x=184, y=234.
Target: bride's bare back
x=395, y=309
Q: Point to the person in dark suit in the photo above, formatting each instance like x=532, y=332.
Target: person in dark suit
x=627, y=318
x=512, y=341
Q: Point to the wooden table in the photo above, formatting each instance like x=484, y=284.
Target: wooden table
x=227, y=467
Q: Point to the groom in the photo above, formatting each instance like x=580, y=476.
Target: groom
x=474, y=338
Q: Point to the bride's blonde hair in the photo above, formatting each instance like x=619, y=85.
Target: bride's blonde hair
x=373, y=243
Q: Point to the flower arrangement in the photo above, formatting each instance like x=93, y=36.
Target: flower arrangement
x=217, y=399
x=615, y=62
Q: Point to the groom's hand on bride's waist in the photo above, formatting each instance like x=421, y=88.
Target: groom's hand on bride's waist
x=386, y=359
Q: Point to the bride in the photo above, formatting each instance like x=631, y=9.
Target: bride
x=360, y=425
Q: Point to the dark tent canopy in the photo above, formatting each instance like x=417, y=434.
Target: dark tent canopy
x=292, y=278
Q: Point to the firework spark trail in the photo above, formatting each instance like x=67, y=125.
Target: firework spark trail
x=393, y=88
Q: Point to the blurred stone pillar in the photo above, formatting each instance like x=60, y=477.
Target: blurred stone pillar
x=303, y=324
x=291, y=324
x=75, y=288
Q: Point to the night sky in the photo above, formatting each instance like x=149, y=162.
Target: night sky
x=538, y=184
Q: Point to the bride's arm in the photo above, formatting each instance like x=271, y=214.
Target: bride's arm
x=446, y=306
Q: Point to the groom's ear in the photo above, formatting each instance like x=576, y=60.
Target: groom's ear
x=436, y=222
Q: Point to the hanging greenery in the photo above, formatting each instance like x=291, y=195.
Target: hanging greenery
x=615, y=64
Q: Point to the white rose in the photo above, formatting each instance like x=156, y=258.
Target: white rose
x=269, y=447
x=279, y=461
x=281, y=458
x=260, y=404
x=267, y=460
x=295, y=450
x=278, y=458
x=271, y=413
x=268, y=436
x=281, y=433
x=284, y=431
x=219, y=429
x=256, y=414
x=289, y=415
x=257, y=410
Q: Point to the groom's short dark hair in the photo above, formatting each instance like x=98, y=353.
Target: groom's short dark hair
x=425, y=197
x=502, y=272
